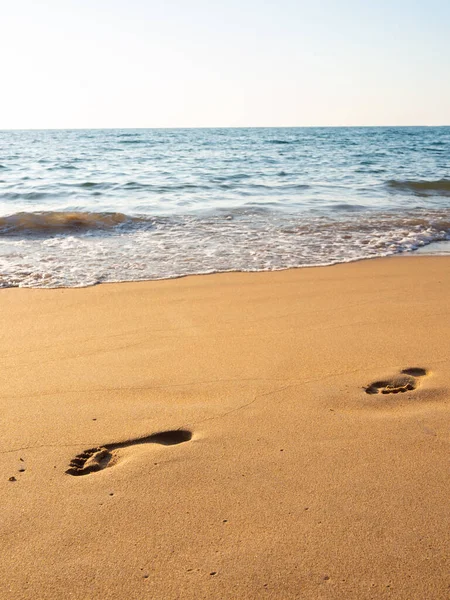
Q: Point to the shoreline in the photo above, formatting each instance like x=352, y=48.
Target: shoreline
x=276, y=434
x=408, y=255
x=254, y=241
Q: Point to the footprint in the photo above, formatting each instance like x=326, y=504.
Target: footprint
x=415, y=372
x=406, y=381
x=96, y=459
x=89, y=461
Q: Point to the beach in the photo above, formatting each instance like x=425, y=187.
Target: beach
x=236, y=436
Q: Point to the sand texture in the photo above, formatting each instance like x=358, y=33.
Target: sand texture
x=238, y=436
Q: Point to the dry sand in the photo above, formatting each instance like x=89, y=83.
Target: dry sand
x=287, y=479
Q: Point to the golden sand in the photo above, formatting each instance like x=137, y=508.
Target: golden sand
x=270, y=435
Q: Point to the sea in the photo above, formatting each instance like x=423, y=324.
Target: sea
x=80, y=207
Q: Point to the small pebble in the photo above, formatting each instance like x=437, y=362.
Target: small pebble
x=12, y=479
x=213, y=573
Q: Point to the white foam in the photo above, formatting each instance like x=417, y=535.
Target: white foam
x=193, y=245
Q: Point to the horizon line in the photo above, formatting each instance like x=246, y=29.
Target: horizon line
x=219, y=127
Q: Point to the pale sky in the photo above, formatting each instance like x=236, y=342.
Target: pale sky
x=233, y=63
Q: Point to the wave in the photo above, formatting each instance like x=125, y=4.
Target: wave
x=127, y=135
x=370, y=171
x=423, y=187
x=93, y=187
x=280, y=142
x=61, y=167
x=49, y=222
x=90, y=184
x=254, y=239
x=231, y=177
x=131, y=141
x=28, y=196
x=278, y=188
x=162, y=189
x=346, y=207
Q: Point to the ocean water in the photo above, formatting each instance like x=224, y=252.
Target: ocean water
x=79, y=207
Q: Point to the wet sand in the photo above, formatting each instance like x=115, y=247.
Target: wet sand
x=269, y=435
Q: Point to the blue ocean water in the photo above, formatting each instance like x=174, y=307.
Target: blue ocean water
x=79, y=207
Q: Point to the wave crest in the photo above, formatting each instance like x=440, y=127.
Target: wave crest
x=280, y=142
x=60, y=221
x=422, y=188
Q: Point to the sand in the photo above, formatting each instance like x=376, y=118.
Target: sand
x=233, y=449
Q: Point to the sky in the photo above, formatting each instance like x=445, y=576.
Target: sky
x=239, y=63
